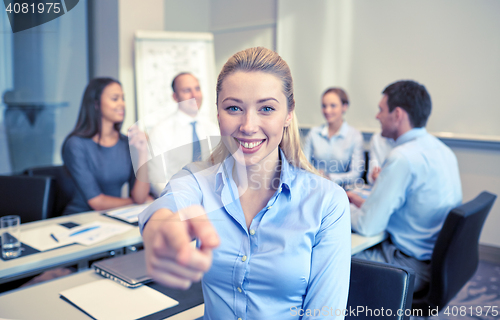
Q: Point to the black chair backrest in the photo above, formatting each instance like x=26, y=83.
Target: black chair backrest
x=31, y=198
x=64, y=185
x=455, y=257
x=367, y=167
x=376, y=285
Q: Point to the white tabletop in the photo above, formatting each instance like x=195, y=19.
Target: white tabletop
x=42, y=301
x=31, y=264
x=360, y=243
x=44, y=298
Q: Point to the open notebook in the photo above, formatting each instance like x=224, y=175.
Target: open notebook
x=107, y=300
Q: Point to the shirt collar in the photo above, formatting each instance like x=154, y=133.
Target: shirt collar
x=341, y=133
x=286, y=175
x=184, y=118
x=410, y=135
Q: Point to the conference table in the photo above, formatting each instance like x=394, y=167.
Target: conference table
x=42, y=301
x=72, y=255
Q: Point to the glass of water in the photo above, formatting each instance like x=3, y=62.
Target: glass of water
x=10, y=231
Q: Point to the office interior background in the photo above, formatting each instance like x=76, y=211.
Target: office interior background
x=451, y=46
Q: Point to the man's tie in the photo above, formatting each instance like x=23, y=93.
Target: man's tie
x=196, y=144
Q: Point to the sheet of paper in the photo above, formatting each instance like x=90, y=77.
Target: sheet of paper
x=90, y=233
x=106, y=299
x=40, y=238
x=129, y=214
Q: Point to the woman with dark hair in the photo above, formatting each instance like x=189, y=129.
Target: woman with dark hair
x=97, y=155
x=336, y=148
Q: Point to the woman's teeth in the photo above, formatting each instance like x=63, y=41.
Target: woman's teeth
x=250, y=145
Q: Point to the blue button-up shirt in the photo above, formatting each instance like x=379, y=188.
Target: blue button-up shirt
x=293, y=260
x=341, y=157
x=418, y=186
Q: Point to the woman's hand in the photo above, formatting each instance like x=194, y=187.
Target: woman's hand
x=375, y=173
x=137, y=138
x=355, y=199
x=171, y=258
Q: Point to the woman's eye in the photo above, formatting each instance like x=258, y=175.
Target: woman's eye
x=233, y=108
x=267, y=109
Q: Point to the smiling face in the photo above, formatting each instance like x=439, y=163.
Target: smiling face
x=113, y=103
x=252, y=114
x=332, y=108
x=187, y=87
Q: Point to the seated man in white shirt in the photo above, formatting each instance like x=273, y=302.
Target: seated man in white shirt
x=177, y=138
x=417, y=187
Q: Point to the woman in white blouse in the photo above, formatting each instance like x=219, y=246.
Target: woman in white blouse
x=336, y=148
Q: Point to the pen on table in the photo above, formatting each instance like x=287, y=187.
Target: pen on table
x=54, y=237
x=83, y=230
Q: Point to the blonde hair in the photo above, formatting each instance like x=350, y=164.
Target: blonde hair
x=268, y=61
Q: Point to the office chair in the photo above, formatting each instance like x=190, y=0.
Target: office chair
x=455, y=256
x=367, y=167
x=64, y=185
x=376, y=285
x=31, y=198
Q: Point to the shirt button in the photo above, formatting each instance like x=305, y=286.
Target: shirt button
x=279, y=190
x=244, y=258
x=239, y=289
x=252, y=232
x=240, y=319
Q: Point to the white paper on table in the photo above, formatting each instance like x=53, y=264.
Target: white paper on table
x=40, y=239
x=106, y=299
x=92, y=232
x=129, y=214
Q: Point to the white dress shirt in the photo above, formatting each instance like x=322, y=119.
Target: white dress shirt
x=171, y=142
x=341, y=156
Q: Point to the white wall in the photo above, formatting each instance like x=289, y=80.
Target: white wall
x=450, y=46
x=134, y=15
x=479, y=171
x=238, y=25
x=187, y=16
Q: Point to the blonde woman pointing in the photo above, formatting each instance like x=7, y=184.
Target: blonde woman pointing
x=273, y=236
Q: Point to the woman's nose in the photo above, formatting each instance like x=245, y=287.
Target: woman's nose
x=249, y=123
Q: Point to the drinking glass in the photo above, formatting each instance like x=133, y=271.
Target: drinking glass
x=10, y=231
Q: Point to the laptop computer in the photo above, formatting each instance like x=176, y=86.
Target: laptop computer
x=129, y=270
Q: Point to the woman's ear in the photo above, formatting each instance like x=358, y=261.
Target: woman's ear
x=344, y=107
x=289, y=118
